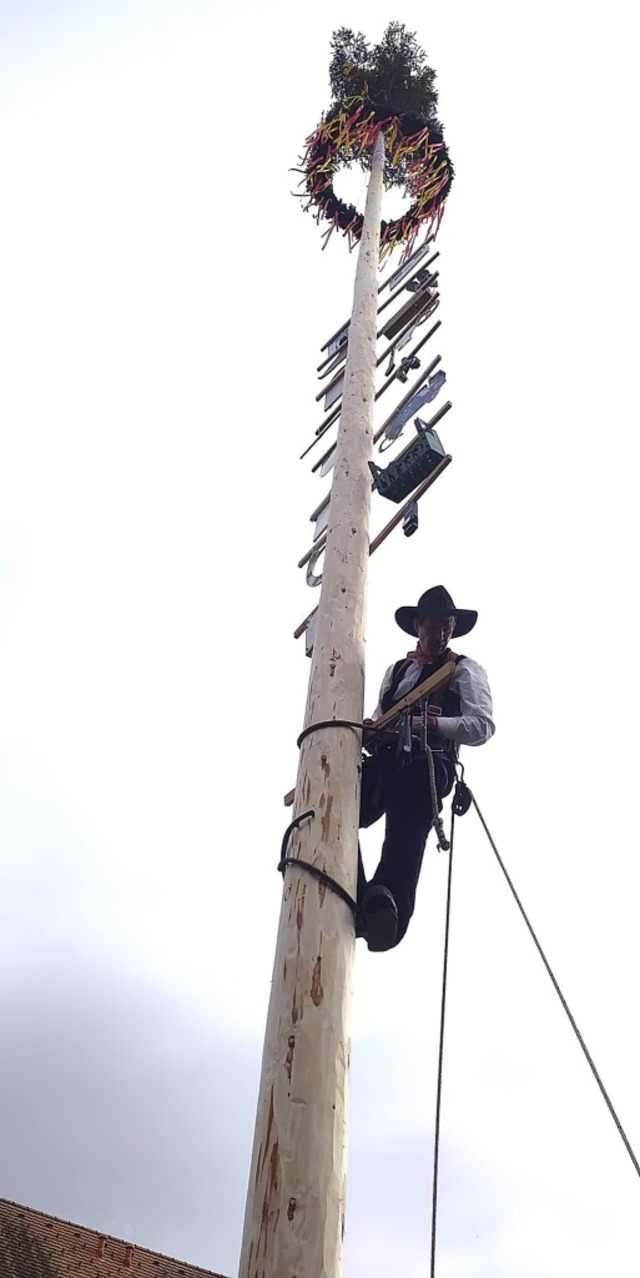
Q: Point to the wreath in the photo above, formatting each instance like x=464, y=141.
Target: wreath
x=389, y=89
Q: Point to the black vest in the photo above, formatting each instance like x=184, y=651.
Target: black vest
x=444, y=699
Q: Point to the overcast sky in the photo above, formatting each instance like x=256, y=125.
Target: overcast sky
x=162, y=306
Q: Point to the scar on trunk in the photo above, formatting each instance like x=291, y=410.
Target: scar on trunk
x=317, y=992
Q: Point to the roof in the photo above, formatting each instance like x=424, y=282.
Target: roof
x=34, y=1245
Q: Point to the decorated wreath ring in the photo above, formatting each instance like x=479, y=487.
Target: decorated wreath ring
x=416, y=157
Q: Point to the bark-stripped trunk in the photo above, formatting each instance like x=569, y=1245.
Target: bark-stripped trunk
x=294, y=1220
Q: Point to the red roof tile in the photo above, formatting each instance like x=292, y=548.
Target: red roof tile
x=34, y=1245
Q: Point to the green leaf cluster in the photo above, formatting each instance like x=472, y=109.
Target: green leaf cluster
x=393, y=74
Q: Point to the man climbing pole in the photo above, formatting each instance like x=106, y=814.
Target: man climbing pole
x=398, y=778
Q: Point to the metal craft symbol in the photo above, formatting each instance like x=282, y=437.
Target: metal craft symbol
x=333, y=392
x=420, y=460
x=400, y=275
x=322, y=522
x=410, y=520
x=425, y=395
x=310, y=633
x=409, y=311
x=406, y=367
x=413, y=465
x=334, y=416
x=338, y=341
x=312, y=579
x=328, y=462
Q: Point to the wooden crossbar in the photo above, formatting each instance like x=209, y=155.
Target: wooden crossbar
x=335, y=412
x=385, y=285
x=388, y=527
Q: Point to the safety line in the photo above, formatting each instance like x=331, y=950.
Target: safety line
x=603, y=1090
x=443, y=1002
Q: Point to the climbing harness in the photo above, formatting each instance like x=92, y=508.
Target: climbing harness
x=404, y=742
x=463, y=799
x=380, y=727
x=404, y=745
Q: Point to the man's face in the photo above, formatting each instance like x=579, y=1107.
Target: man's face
x=434, y=634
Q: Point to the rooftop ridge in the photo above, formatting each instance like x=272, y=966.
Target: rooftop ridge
x=12, y=1212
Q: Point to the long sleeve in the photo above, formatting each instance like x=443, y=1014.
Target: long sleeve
x=474, y=725
x=384, y=687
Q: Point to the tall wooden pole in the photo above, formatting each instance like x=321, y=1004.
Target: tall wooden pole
x=294, y=1219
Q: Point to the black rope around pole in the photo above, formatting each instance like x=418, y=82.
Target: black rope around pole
x=315, y=870
x=558, y=991
x=327, y=723
x=443, y=1003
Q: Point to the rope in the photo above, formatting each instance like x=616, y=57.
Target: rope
x=327, y=723
x=368, y=727
x=295, y=824
x=443, y=1003
x=558, y=991
x=462, y=800
x=315, y=870
x=437, y=823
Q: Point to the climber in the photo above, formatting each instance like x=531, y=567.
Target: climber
x=395, y=781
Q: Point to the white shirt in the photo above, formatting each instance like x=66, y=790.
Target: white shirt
x=474, y=725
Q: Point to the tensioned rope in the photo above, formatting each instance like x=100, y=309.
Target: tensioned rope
x=589, y=1058
x=463, y=798
x=460, y=804
x=443, y=1004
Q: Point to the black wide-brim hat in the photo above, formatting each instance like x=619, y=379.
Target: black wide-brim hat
x=436, y=602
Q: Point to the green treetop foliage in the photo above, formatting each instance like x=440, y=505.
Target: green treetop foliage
x=393, y=75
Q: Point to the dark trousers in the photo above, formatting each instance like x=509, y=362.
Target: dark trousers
x=402, y=793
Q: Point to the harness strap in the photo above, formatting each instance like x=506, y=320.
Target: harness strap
x=400, y=670
x=436, y=700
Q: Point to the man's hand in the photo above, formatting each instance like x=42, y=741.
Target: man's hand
x=432, y=723
x=372, y=736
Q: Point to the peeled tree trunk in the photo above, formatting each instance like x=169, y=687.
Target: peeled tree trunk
x=294, y=1220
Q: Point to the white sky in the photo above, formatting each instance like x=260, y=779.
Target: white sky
x=162, y=307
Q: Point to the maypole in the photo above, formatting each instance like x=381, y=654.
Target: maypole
x=294, y=1219
x=294, y=1222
